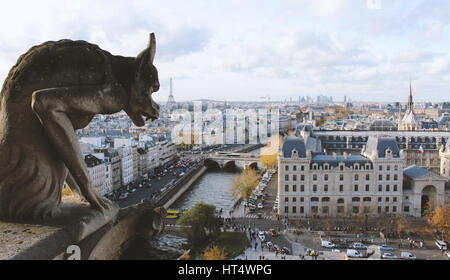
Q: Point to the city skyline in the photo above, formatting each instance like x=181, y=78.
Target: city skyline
x=244, y=51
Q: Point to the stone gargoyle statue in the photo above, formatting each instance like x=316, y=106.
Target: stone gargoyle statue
x=54, y=89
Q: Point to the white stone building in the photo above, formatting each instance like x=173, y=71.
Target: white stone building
x=126, y=166
x=97, y=172
x=343, y=185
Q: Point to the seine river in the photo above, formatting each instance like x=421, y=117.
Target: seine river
x=212, y=188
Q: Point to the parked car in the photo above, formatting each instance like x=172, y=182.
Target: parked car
x=389, y=255
x=336, y=251
x=408, y=256
x=352, y=253
x=341, y=246
x=327, y=244
x=359, y=245
x=386, y=248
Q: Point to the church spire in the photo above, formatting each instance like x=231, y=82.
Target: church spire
x=410, y=98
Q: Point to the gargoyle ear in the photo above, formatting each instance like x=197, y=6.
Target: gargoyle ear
x=152, y=47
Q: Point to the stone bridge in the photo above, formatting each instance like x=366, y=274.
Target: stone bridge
x=243, y=160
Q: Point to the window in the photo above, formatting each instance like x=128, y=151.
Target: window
x=325, y=188
x=294, y=199
x=341, y=188
x=294, y=209
x=340, y=201
x=302, y=210
x=386, y=209
x=387, y=199
x=367, y=177
x=380, y=188
x=395, y=177
x=394, y=199
x=380, y=199
x=380, y=168
x=302, y=177
x=367, y=188
x=294, y=188
x=395, y=188
x=314, y=177
x=314, y=188
x=315, y=209
x=406, y=209
x=286, y=168
x=326, y=177
x=286, y=209
x=388, y=177
x=340, y=209
x=380, y=177
x=356, y=199
x=314, y=199
x=388, y=188
x=302, y=188
x=388, y=167
x=294, y=167
x=302, y=168
x=341, y=168
x=325, y=209
x=341, y=177
x=356, y=188
x=286, y=177
x=286, y=199
x=396, y=167
x=379, y=209
x=294, y=177
x=367, y=199
x=356, y=177
x=286, y=188
x=355, y=209
x=302, y=199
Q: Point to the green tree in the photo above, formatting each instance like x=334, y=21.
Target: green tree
x=244, y=184
x=200, y=223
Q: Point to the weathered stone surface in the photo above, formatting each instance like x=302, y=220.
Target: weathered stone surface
x=98, y=236
x=53, y=89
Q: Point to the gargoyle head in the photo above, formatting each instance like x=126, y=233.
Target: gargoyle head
x=141, y=104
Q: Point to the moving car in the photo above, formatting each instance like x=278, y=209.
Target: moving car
x=389, y=256
x=442, y=245
x=133, y=190
x=269, y=245
x=123, y=196
x=285, y=251
x=408, y=256
x=262, y=236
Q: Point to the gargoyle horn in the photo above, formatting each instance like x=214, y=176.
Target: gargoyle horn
x=152, y=47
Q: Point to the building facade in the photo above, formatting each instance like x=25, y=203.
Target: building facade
x=319, y=184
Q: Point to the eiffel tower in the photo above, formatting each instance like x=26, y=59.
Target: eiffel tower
x=171, y=101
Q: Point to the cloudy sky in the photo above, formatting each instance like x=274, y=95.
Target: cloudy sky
x=246, y=50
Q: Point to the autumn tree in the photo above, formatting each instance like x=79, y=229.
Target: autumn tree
x=200, y=223
x=186, y=255
x=440, y=219
x=268, y=155
x=244, y=184
x=214, y=253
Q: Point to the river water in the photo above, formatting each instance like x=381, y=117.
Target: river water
x=212, y=188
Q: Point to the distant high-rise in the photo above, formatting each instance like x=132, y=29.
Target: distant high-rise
x=171, y=104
